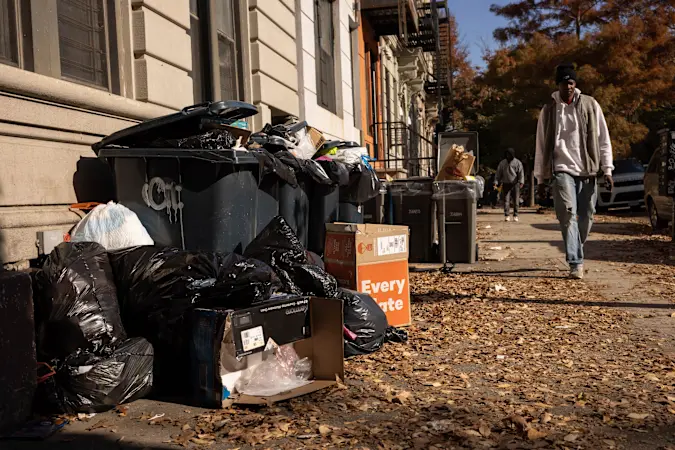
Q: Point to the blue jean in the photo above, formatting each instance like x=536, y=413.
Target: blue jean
x=574, y=199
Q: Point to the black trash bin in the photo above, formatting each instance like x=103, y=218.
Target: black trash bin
x=294, y=199
x=197, y=199
x=412, y=205
x=363, y=186
x=324, y=201
x=376, y=210
x=456, y=206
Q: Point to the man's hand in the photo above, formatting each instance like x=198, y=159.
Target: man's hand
x=522, y=185
x=609, y=183
x=541, y=192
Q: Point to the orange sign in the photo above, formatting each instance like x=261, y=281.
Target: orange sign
x=389, y=285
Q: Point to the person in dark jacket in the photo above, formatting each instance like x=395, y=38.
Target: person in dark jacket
x=511, y=175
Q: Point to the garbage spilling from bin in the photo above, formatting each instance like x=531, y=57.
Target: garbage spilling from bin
x=207, y=278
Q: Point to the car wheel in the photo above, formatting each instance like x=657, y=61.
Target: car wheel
x=656, y=222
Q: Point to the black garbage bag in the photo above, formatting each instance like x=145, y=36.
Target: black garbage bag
x=363, y=184
x=365, y=319
x=85, y=382
x=316, y=172
x=76, y=302
x=396, y=335
x=158, y=288
x=278, y=246
x=336, y=170
x=269, y=164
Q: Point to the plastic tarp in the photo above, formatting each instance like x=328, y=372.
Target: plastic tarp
x=278, y=246
x=455, y=190
x=85, y=382
x=114, y=226
x=76, y=304
x=159, y=287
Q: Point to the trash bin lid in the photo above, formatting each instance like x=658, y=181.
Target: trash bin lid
x=187, y=122
x=228, y=156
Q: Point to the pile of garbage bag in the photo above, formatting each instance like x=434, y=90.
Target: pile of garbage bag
x=112, y=309
x=158, y=288
x=80, y=335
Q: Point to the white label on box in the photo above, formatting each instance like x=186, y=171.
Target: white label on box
x=252, y=338
x=391, y=245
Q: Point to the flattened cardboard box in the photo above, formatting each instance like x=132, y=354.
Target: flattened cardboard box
x=372, y=258
x=226, y=342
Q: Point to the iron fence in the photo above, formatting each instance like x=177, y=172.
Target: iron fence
x=399, y=147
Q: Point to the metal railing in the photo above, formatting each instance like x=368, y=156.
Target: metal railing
x=400, y=148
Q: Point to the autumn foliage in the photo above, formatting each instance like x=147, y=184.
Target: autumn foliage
x=624, y=51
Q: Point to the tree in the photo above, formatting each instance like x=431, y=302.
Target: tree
x=625, y=59
x=551, y=18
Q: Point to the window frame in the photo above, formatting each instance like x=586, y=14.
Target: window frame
x=110, y=30
x=209, y=83
x=38, y=43
x=328, y=98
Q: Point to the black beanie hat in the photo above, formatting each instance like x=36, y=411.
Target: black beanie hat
x=510, y=152
x=565, y=72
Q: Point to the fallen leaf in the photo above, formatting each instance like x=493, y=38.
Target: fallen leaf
x=638, y=416
x=545, y=418
x=484, y=430
x=534, y=435
x=571, y=437
x=324, y=430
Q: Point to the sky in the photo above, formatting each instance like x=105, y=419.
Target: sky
x=476, y=24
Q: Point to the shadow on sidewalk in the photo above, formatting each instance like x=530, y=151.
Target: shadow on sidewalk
x=617, y=228
x=435, y=297
x=83, y=441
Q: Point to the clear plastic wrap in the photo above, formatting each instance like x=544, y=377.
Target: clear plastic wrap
x=455, y=190
x=280, y=371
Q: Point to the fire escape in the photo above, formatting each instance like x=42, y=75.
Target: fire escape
x=419, y=24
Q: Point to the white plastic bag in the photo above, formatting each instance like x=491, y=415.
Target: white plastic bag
x=305, y=147
x=281, y=372
x=114, y=226
x=352, y=155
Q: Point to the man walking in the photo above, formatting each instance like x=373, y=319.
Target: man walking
x=573, y=145
x=511, y=176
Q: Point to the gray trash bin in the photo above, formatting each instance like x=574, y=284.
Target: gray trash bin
x=456, y=210
x=412, y=205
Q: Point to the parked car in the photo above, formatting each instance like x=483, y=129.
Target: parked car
x=629, y=189
x=659, y=207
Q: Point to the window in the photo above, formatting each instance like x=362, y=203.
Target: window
x=325, y=54
x=85, y=31
x=215, y=33
x=83, y=41
x=9, y=45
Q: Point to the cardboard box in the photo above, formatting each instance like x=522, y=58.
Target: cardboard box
x=226, y=342
x=372, y=258
x=457, y=165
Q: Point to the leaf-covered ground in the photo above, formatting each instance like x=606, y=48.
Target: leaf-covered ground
x=509, y=361
x=491, y=363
